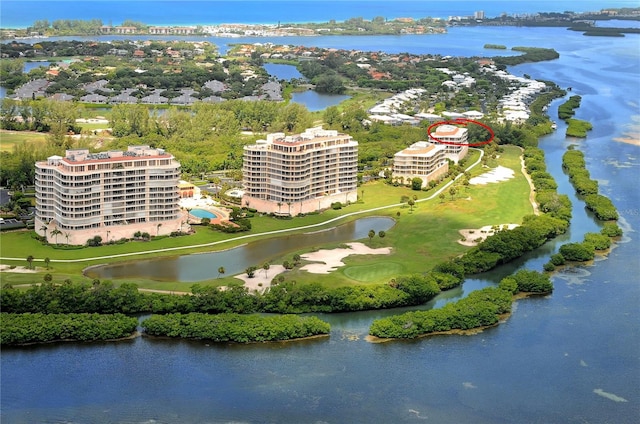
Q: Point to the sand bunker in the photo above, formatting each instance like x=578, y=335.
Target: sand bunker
x=473, y=236
x=328, y=260
x=331, y=259
x=19, y=269
x=261, y=280
x=494, y=176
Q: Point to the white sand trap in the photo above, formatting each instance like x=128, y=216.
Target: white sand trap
x=472, y=234
x=494, y=176
x=18, y=269
x=331, y=259
x=260, y=277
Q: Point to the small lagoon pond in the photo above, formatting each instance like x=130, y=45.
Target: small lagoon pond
x=310, y=99
x=204, y=266
x=282, y=71
x=315, y=101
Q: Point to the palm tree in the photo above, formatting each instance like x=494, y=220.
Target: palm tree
x=452, y=192
x=411, y=202
x=55, y=232
x=220, y=271
x=67, y=234
x=279, y=206
x=46, y=262
x=158, y=229
x=266, y=267
x=44, y=229
x=371, y=234
x=30, y=261
x=289, y=203
x=381, y=234
x=251, y=271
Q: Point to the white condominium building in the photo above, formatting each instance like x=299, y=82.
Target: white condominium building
x=454, y=139
x=300, y=173
x=111, y=194
x=428, y=160
x=423, y=160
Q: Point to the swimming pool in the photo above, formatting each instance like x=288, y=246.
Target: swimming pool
x=201, y=213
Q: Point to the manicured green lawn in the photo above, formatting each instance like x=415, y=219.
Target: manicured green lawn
x=420, y=239
x=376, y=272
x=8, y=139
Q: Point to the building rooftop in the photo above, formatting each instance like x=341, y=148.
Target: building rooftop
x=77, y=156
x=448, y=130
x=420, y=148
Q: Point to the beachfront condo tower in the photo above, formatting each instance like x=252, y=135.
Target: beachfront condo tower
x=300, y=173
x=112, y=195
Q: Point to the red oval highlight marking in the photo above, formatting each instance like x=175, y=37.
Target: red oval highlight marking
x=464, y=122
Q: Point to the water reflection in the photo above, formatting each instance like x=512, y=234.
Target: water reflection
x=316, y=101
x=204, y=266
x=282, y=71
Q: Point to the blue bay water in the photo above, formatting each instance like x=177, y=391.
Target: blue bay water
x=23, y=13
x=571, y=357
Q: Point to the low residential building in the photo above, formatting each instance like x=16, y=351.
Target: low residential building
x=424, y=160
x=112, y=194
x=300, y=173
x=429, y=160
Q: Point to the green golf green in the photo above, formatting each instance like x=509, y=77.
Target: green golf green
x=375, y=272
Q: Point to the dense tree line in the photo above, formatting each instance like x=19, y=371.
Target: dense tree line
x=234, y=327
x=16, y=329
x=69, y=27
x=506, y=245
x=567, y=109
x=531, y=54
x=480, y=308
x=203, y=139
x=573, y=162
x=286, y=297
x=578, y=128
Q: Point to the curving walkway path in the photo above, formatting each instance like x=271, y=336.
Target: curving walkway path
x=249, y=236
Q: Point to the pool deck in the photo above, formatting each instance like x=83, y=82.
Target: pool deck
x=207, y=204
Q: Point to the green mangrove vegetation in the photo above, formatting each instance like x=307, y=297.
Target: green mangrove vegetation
x=234, y=327
x=28, y=328
x=531, y=54
x=574, y=164
x=480, y=309
x=495, y=46
x=567, y=109
x=576, y=127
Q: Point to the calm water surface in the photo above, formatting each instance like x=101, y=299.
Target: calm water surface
x=310, y=99
x=283, y=71
x=198, y=267
x=571, y=357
